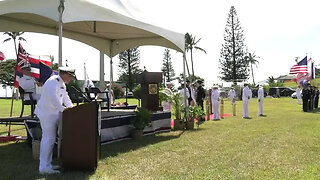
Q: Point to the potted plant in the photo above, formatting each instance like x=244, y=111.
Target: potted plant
x=36, y=139
x=191, y=113
x=139, y=122
x=175, y=100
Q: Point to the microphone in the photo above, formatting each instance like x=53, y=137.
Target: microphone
x=82, y=94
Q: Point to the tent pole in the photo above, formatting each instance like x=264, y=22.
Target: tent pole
x=184, y=80
x=111, y=64
x=102, y=84
x=60, y=9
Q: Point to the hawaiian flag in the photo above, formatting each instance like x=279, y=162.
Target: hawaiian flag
x=301, y=67
x=40, y=66
x=2, y=57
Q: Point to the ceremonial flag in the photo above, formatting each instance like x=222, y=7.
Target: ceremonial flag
x=311, y=70
x=2, y=57
x=301, y=67
x=39, y=65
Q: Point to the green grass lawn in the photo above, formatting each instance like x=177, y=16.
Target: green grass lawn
x=283, y=145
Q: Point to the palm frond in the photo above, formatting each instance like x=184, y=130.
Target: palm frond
x=7, y=40
x=21, y=39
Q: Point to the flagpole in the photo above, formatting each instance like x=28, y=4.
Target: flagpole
x=60, y=9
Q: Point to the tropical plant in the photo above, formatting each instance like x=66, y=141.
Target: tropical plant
x=233, y=65
x=194, y=112
x=252, y=59
x=142, y=119
x=191, y=78
x=190, y=44
x=14, y=36
x=175, y=99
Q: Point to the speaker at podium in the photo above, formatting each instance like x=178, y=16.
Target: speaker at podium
x=80, y=146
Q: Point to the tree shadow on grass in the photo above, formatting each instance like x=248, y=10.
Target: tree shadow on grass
x=113, y=149
x=17, y=163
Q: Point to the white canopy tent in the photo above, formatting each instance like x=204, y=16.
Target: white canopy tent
x=106, y=25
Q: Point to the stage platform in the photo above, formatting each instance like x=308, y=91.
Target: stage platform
x=115, y=125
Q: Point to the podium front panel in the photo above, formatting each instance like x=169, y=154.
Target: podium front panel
x=80, y=141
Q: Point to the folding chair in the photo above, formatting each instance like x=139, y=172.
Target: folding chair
x=94, y=93
x=30, y=102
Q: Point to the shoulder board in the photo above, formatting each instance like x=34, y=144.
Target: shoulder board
x=57, y=79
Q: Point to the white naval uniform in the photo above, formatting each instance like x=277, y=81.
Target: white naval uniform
x=298, y=93
x=232, y=96
x=246, y=95
x=28, y=84
x=48, y=110
x=260, y=100
x=215, y=103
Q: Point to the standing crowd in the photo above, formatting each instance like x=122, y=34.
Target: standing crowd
x=196, y=96
x=310, y=98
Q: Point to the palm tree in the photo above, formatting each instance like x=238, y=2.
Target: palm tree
x=252, y=59
x=14, y=36
x=271, y=80
x=191, y=43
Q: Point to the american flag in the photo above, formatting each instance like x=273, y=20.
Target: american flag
x=2, y=57
x=301, y=67
x=39, y=65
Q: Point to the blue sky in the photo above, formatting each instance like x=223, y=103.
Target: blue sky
x=276, y=30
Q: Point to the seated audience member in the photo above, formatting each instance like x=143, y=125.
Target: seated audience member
x=28, y=83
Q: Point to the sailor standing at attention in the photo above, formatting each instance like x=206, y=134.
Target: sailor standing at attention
x=54, y=99
x=260, y=99
x=246, y=95
x=232, y=95
x=215, y=102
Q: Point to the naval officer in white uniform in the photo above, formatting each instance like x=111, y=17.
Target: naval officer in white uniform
x=246, y=95
x=215, y=102
x=232, y=95
x=28, y=83
x=260, y=99
x=54, y=99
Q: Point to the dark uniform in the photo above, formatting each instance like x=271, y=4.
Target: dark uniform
x=316, y=99
x=200, y=96
x=305, y=99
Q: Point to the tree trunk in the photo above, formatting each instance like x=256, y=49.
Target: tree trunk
x=187, y=67
x=15, y=46
x=252, y=75
x=191, y=62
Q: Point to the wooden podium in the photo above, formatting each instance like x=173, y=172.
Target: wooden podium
x=80, y=147
x=150, y=90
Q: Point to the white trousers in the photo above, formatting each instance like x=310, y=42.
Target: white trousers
x=49, y=125
x=215, y=110
x=298, y=99
x=245, y=108
x=260, y=112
